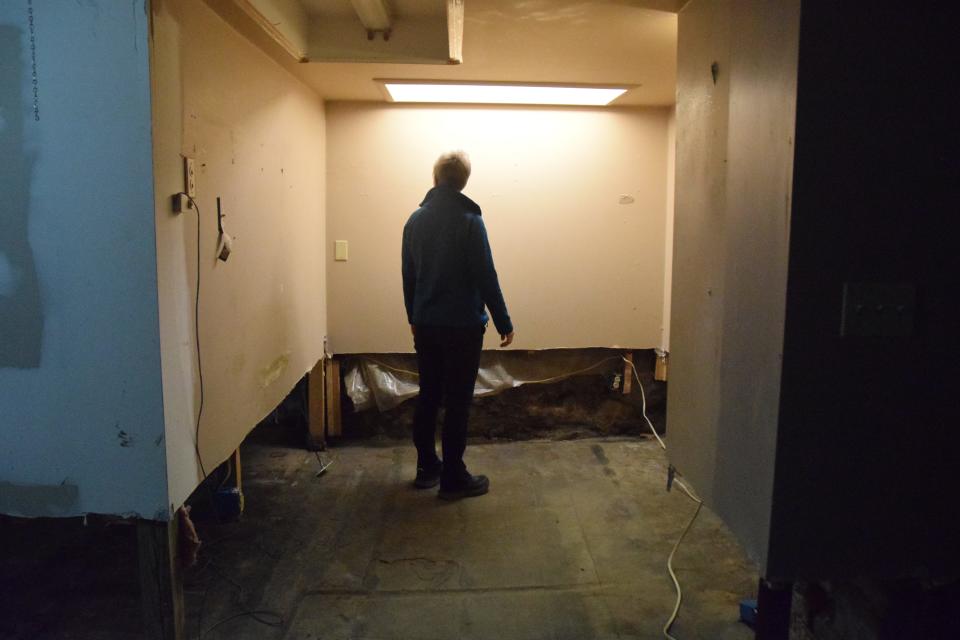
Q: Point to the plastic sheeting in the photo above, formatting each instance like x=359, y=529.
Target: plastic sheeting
x=384, y=381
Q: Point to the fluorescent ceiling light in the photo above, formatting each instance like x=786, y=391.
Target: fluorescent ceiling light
x=490, y=93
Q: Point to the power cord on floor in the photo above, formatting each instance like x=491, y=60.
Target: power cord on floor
x=265, y=617
x=693, y=496
x=673, y=575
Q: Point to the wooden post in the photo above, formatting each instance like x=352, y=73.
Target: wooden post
x=660, y=372
x=628, y=373
x=333, y=398
x=455, y=30
x=161, y=582
x=316, y=408
x=238, y=481
x=237, y=476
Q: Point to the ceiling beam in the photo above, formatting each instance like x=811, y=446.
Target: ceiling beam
x=271, y=30
x=455, y=30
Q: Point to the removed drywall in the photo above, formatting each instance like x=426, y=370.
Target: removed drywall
x=556, y=395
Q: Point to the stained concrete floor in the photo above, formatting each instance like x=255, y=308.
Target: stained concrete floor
x=571, y=542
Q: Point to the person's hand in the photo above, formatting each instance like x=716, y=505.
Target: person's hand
x=413, y=331
x=505, y=340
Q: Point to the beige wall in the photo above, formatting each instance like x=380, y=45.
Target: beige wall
x=258, y=138
x=577, y=268
x=668, y=235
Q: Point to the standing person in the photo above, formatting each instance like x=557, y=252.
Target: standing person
x=448, y=279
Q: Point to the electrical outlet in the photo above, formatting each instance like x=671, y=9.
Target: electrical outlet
x=189, y=178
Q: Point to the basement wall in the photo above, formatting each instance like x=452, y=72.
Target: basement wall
x=81, y=413
x=577, y=268
x=257, y=135
x=733, y=193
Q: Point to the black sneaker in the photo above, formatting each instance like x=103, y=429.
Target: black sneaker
x=427, y=478
x=468, y=487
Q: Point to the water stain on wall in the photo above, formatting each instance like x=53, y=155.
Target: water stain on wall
x=272, y=373
x=21, y=314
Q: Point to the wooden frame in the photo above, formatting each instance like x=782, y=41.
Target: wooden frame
x=334, y=423
x=161, y=579
x=271, y=30
x=628, y=372
x=323, y=404
x=316, y=407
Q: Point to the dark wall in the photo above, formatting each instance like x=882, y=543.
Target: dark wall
x=867, y=448
x=21, y=316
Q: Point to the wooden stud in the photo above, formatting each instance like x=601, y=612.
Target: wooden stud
x=238, y=479
x=237, y=470
x=455, y=31
x=161, y=581
x=334, y=425
x=316, y=410
x=628, y=373
x=660, y=372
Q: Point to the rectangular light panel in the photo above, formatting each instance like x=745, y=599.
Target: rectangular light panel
x=501, y=93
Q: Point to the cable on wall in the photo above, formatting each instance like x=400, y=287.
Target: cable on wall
x=196, y=326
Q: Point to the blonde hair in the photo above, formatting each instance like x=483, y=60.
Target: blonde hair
x=452, y=170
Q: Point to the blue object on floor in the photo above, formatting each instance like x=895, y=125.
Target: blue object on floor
x=748, y=611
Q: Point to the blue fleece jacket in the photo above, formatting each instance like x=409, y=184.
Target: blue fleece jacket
x=448, y=272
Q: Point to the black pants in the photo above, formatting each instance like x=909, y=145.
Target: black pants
x=448, y=359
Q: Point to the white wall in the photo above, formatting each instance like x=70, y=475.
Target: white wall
x=257, y=135
x=668, y=235
x=81, y=412
x=577, y=268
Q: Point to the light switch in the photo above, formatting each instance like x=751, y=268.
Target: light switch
x=877, y=309
x=340, y=253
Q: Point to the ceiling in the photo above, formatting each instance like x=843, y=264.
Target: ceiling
x=631, y=42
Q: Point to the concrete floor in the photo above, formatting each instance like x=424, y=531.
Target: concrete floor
x=571, y=542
